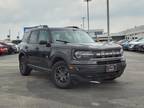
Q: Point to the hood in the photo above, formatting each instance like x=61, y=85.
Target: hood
x=1, y=46
x=96, y=45
x=134, y=43
x=10, y=44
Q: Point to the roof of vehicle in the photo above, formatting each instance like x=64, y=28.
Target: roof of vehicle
x=51, y=28
x=4, y=43
x=62, y=28
x=1, y=45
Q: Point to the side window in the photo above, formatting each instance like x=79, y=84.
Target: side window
x=43, y=36
x=25, y=37
x=33, y=37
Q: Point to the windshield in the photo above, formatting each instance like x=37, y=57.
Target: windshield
x=71, y=36
x=142, y=40
x=137, y=40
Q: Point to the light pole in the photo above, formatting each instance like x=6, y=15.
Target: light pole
x=108, y=21
x=83, y=22
x=88, y=13
x=18, y=36
x=9, y=34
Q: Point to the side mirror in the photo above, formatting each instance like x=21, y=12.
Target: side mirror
x=43, y=42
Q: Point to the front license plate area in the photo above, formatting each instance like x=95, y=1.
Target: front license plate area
x=111, y=68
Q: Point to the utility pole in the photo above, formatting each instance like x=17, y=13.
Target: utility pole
x=88, y=13
x=108, y=21
x=83, y=22
x=18, y=36
x=9, y=34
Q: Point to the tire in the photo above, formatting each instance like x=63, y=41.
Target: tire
x=10, y=51
x=60, y=75
x=24, y=69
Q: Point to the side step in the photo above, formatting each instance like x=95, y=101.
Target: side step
x=95, y=82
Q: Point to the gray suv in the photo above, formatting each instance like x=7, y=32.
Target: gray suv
x=69, y=55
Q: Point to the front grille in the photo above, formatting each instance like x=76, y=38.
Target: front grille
x=108, y=53
x=108, y=62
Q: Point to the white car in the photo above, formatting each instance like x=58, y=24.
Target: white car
x=135, y=42
x=14, y=46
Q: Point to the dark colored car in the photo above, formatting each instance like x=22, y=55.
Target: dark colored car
x=10, y=46
x=141, y=47
x=69, y=55
x=3, y=49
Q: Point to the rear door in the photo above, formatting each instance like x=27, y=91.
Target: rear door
x=32, y=48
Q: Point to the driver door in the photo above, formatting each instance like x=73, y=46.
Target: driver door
x=44, y=50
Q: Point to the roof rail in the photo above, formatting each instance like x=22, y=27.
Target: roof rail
x=72, y=27
x=42, y=26
x=30, y=28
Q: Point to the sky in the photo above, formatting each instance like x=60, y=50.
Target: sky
x=17, y=14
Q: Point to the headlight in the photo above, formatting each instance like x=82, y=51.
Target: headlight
x=131, y=46
x=98, y=54
x=83, y=54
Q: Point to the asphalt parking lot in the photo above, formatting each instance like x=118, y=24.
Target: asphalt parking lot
x=36, y=91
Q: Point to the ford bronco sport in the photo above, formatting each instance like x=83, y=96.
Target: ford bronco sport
x=69, y=54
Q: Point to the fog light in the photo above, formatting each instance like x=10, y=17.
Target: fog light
x=71, y=67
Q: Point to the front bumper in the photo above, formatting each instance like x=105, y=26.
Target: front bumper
x=97, y=72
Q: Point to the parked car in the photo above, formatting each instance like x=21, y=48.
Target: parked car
x=3, y=49
x=11, y=47
x=69, y=55
x=141, y=47
x=125, y=44
x=121, y=41
x=14, y=47
x=133, y=44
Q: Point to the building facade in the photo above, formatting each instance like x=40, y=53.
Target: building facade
x=96, y=33
x=134, y=33
x=129, y=34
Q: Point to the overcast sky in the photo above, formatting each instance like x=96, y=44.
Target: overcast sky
x=15, y=14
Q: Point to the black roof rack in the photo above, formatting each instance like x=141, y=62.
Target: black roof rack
x=34, y=27
x=72, y=27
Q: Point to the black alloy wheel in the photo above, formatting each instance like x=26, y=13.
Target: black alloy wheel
x=61, y=75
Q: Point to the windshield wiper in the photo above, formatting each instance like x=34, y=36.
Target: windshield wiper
x=63, y=41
